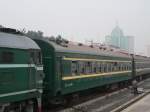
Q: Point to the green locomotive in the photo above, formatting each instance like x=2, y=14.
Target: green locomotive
x=21, y=73
x=71, y=68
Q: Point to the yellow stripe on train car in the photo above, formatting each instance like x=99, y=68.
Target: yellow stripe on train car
x=86, y=59
x=92, y=75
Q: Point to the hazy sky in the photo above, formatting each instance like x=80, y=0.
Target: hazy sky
x=80, y=20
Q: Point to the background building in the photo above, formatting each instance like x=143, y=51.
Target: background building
x=131, y=44
x=148, y=50
x=117, y=39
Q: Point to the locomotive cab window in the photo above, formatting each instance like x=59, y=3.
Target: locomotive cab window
x=7, y=57
x=35, y=57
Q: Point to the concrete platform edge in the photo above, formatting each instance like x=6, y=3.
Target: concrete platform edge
x=124, y=106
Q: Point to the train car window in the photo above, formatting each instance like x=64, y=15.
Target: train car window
x=81, y=67
x=127, y=66
x=118, y=65
x=112, y=67
x=83, y=70
x=109, y=67
x=94, y=67
x=137, y=65
x=97, y=67
x=119, y=68
x=88, y=66
x=141, y=66
x=130, y=66
x=104, y=67
x=74, y=67
x=95, y=70
x=115, y=64
x=100, y=68
x=123, y=67
x=7, y=57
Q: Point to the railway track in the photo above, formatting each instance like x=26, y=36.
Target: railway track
x=126, y=105
x=107, y=102
x=146, y=86
x=101, y=104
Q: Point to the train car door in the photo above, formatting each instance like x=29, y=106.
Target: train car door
x=32, y=70
x=58, y=74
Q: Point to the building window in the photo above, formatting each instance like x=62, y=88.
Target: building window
x=7, y=57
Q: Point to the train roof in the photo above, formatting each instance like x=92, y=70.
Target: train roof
x=83, y=49
x=15, y=40
x=139, y=57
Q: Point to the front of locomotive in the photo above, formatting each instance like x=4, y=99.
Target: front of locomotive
x=36, y=66
x=36, y=63
x=21, y=72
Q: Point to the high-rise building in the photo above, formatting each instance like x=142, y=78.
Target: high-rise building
x=117, y=39
x=130, y=44
x=148, y=50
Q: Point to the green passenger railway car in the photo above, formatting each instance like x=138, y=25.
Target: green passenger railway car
x=142, y=66
x=20, y=73
x=71, y=68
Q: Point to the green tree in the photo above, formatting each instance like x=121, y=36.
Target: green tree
x=37, y=34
